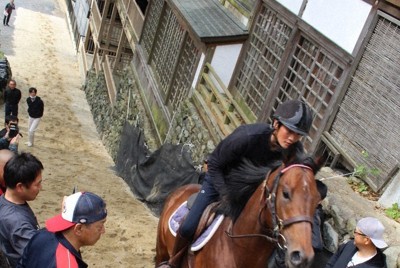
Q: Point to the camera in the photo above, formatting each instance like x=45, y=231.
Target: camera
x=14, y=130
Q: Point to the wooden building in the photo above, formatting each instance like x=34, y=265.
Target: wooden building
x=236, y=60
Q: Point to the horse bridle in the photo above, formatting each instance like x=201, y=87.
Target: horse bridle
x=277, y=224
x=270, y=202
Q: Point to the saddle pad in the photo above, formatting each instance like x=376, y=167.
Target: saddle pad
x=207, y=234
x=176, y=218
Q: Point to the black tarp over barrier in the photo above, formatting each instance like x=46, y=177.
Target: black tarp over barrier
x=5, y=73
x=153, y=176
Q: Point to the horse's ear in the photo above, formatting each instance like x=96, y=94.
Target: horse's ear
x=292, y=154
x=320, y=161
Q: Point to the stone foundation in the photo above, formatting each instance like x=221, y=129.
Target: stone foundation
x=186, y=126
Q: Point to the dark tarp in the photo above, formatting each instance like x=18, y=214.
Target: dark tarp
x=153, y=176
x=5, y=73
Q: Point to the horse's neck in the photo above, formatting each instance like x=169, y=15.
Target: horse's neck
x=247, y=225
x=257, y=200
x=248, y=222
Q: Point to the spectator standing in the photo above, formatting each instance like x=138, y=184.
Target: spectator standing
x=7, y=141
x=18, y=223
x=35, y=111
x=5, y=155
x=12, y=96
x=7, y=12
x=81, y=223
x=365, y=251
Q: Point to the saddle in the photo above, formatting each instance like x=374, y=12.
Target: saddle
x=207, y=226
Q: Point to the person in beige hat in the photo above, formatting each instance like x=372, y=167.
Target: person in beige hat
x=365, y=250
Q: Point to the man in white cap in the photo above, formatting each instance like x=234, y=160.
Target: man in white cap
x=81, y=223
x=365, y=250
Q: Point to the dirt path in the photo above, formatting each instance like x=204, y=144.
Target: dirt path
x=41, y=54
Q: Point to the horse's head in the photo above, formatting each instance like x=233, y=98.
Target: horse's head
x=296, y=198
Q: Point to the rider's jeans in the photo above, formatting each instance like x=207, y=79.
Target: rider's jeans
x=206, y=196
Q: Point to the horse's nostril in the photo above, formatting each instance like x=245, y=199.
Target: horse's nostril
x=296, y=258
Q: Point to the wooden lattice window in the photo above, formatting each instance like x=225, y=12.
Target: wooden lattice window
x=166, y=49
x=184, y=73
x=267, y=44
x=150, y=27
x=313, y=76
x=170, y=52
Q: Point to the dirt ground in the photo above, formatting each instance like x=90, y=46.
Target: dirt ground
x=41, y=53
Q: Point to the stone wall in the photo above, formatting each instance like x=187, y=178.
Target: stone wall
x=109, y=119
x=186, y=127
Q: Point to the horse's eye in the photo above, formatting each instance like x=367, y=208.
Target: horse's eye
x=286, y=195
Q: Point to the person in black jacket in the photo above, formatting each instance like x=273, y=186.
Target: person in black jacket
x=7, y=142
x=365, y=251
x=12, y=96
x=7, y=12
x=35, y=111
x=261, y=144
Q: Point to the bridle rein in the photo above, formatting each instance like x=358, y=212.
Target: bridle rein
x=278, y=224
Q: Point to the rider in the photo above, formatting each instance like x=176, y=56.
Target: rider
x=260, y=143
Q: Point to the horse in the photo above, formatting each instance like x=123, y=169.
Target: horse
x=279, y=212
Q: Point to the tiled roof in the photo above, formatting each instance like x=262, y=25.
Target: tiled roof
x=210, y=21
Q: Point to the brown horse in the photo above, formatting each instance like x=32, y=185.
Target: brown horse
x=278, y=212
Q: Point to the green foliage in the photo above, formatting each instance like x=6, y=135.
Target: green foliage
x=362, y=171
x=358, y=186
x=393, y=212
x=362, y=187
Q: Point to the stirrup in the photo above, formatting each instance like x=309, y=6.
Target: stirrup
x=165, y=264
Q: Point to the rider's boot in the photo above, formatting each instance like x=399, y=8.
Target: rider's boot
x=180, y=247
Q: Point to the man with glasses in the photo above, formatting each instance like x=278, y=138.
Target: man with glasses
x=365, y=251
x=12, y=96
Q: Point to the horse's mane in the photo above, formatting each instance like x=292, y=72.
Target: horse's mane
x=242, y=181
x=300, y=158
x=295, y=155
